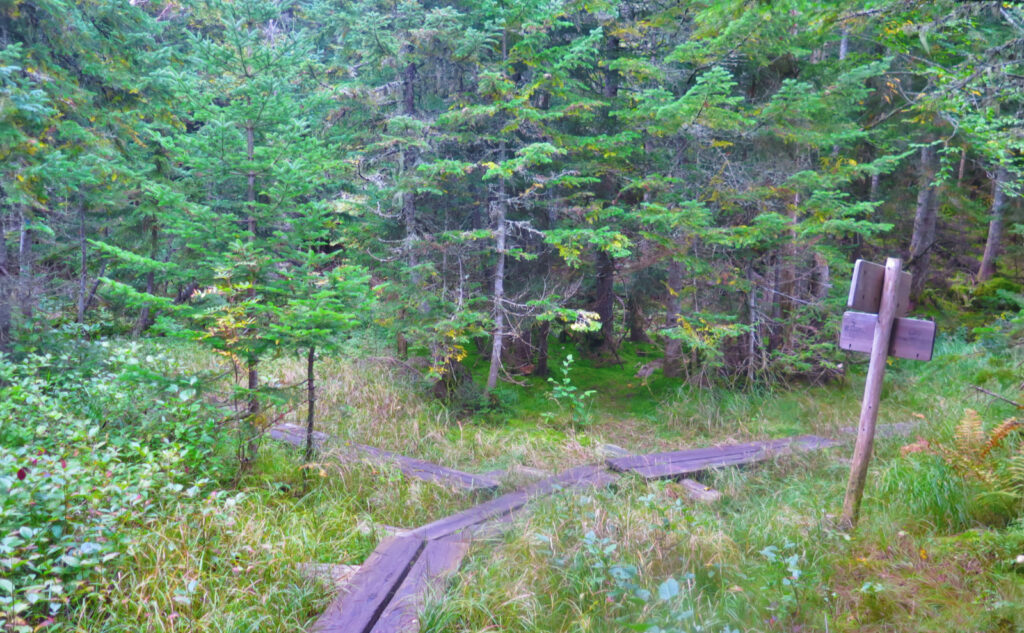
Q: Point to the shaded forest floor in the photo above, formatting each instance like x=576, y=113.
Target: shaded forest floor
x=935, y=550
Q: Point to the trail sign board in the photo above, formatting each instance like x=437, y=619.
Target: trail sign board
x=911, y=338
x=866, y=289
x=879, y=297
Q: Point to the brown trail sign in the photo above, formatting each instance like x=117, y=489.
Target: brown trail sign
x=879, y=296
x=866, y=289
x=911, y=338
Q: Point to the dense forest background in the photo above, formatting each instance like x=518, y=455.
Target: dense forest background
x=476, y=177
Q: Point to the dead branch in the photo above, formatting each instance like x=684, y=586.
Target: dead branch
x=997, y=396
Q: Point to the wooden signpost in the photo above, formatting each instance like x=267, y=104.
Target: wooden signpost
x=879, y=297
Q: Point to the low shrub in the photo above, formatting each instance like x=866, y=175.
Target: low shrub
x=88, y=448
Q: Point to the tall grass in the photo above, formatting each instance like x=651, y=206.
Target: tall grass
x=636, y=556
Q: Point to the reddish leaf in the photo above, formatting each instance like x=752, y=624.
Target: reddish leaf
x=22, y=473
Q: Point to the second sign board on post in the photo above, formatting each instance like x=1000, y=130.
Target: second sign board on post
x=866, y=289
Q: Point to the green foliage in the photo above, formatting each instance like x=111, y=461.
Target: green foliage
x=569, y=396
x=81, y=465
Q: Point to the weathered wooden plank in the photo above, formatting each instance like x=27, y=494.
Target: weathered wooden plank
x=411, y=466
x=370, y=589
x=428, y=471
x=438, y=560
x=634, y=461
x=613, y=450
x=910, y=338
x=692, y=467
x=364, y=607
x=296, y=435
x=699, y=492
x=866, y=289
x=502, y=506
x=680, y=463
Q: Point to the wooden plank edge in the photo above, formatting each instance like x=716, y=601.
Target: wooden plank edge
x=439, y=560
x=371, y=588
x=429, y=471
x=699, y=492
x=416, y=468
x=621, y=464
x=469, y=519
x=624, y=464
x=801, y=443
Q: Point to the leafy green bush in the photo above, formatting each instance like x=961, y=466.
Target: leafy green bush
x=992, y=296
x=82, y=459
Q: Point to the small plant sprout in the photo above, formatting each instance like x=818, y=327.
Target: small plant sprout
x=569, y=396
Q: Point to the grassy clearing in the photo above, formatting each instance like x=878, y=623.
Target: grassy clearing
x=932, y=553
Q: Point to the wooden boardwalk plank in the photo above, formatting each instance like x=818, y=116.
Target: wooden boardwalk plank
x=635, y=461
x=296, y=435
x=675, y=469
x=416, y=468
x=506, y=504
x=370, y=589
x=438, y=560
x=677, y=463
x=699, y=492
x=387, y=592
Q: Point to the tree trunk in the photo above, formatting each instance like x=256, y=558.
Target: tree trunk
x=145, y=319
x=402, y=345
x=250, y=188
x=604, y=303
x=82, y=271
x=635, y=319
x=775, y=310
x=408, y=160
x=6, y=286
x=821, y=279
x=754, y=323
x=518, y=351
x=25, y=294
x=499, y=214
x=310, y=401
x=408, y=163
x=672, y=366
x=95, y=284
x=995, y=226
x=543, y=331
x=611, y=77
x=500, y=211
x=253, y=381
x=786, y=289
x=250, y=442
x=925, y=218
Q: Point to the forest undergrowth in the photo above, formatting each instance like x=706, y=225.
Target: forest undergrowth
x=122, y=511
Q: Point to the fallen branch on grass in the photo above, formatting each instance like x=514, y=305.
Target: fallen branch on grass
x=997, y=396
